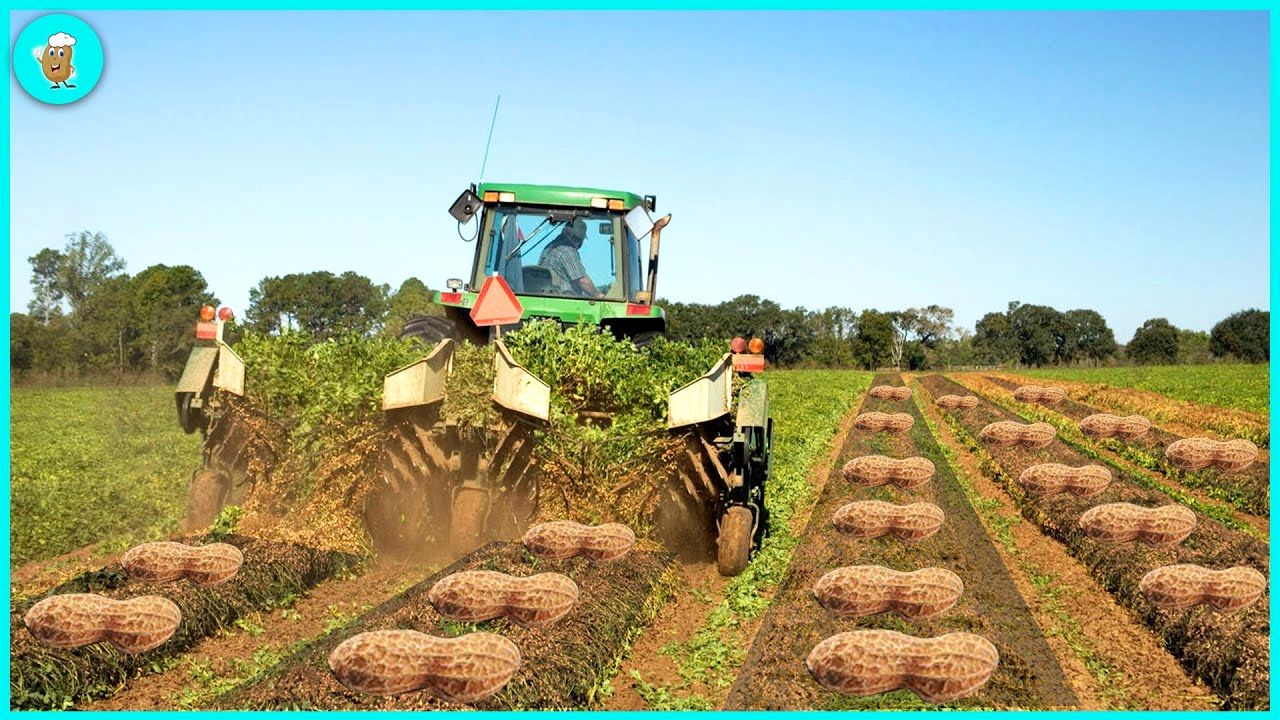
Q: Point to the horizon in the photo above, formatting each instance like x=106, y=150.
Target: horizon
x=1111, y=161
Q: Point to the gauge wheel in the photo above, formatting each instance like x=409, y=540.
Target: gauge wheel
x=733, y=544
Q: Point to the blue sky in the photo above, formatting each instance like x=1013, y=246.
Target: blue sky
x=1113, y=161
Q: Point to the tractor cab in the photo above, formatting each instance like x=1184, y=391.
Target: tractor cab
x=569, y=253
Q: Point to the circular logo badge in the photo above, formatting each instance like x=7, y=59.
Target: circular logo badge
x=58, y=59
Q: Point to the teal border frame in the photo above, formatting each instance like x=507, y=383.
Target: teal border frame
x=631, y=5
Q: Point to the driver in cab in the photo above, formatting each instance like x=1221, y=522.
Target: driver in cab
x=562, y=259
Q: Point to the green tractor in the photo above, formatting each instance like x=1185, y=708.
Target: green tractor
x=569, y=254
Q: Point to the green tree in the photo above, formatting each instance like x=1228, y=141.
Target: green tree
x=319, y=303
x=46, y=291
x=166, y=301
x=1041, y=333
x=873, y=339
x=993, y=340
x=86, y=263
x=1245, y=335
x=1155, y=343
x=1087, y=337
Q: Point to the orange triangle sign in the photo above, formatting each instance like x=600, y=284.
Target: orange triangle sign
x=496, y=304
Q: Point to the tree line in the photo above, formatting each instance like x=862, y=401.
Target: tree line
x=87, y=315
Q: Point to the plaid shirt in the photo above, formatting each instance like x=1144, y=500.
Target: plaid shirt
x=565, y=265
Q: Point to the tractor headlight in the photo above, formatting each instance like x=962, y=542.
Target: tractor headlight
x=453, y=283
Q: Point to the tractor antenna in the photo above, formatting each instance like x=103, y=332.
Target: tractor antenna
x=492, y=122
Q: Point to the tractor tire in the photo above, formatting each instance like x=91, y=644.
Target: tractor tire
x=466, y=524
x=642, y=339
x=205, y=498
x=733, y=544
x=430, y=329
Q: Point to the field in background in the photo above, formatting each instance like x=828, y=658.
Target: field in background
x=1244, y=387
x=95, y=465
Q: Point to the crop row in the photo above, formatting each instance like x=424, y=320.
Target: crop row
x=1248, y=490
x=1229, y=652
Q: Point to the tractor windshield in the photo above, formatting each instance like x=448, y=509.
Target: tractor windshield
x=580, y=254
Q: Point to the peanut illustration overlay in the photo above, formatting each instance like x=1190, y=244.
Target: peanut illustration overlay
x=1038, y=394
x=957, y=402
x=133, y=626
x=563, y=539
x=477, y=595
x=869, y=662
x=1200, y=453
x=464, y=669
x=877, y=470
x=889, y=422
x=890, y=392
x=168, y=561
x=875, y=518
x=1176, y=587
x=861, y=590
x=1008, y=432
x=1103, y=425
x=1048, y=479
x=1125, y=522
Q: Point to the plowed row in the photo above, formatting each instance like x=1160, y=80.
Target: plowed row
x=565, y=665
x=774, y=675
x=1248, y=490
x=42, y=677
x=1229, y=652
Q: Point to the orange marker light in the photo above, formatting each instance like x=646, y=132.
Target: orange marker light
x=738, y=345
x=225, y=314
x=206, y=313
x=756, y=346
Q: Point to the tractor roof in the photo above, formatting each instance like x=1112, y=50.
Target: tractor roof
x=559, y=194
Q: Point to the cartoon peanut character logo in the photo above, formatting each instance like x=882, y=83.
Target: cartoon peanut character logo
x=55, y=60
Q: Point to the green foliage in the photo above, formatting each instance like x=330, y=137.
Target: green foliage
x=468, y=396
x=1244, y=387
x=95, y=465
x=1246, y=335
x=1155, y=343
x=225, y=524
x=318, y=392
x=873, y=343
x=318, y=304
x=659, y=697
x=606, y=469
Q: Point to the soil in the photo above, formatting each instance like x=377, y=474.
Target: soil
x=1228, y=651
x=36, y=577
x=274, y=631
x=774, y=675
x=1248, y=489
x=1084, y=624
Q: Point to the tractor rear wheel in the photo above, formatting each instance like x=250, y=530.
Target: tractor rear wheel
x=208, y=492
x=466, y=524
x=430, y=329
x=733, y=544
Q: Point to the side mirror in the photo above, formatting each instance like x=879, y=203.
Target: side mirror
x=467, y=205
x=639, y=222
